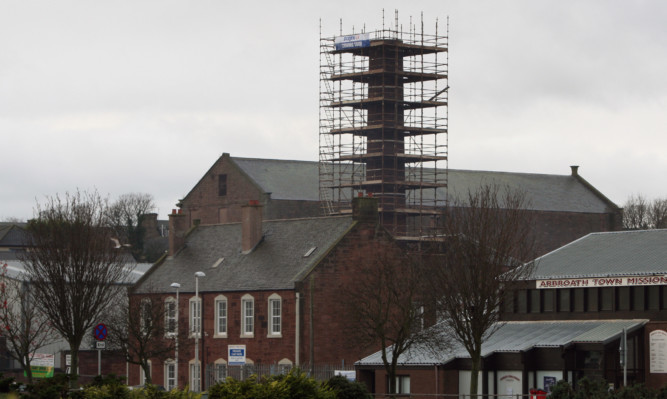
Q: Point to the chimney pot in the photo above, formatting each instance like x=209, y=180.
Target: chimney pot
x=575, y=170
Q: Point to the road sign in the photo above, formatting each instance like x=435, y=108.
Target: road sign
x=100, y=332
x=100, y=345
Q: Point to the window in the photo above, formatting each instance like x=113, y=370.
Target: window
x=508, y=302
x=548, y=298
x=592, y=296
x=195, y=377
x=222, y=185
x=170, y=317
x=221, y=316
x=195, y=316
x=522, y=301
x=275, y=315
x=623, y=298
x=564, y=300
x=535, y=301
x=169, y=375
x=402, y=384
x=638, y=298
x=247, y=316
x=146, y=316
x=578, y=299
x=220, y=370
x=606, y=298
x=653, y=297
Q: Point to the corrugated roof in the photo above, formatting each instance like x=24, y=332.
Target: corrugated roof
x=15, y=270
x=276, y=263
x=517, y=337
x=299, y=180
x=622, y=253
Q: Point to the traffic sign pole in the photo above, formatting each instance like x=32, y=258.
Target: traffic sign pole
x=100, y=331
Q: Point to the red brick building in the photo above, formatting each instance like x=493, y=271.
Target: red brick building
x=565, y=207
x=566, y=322
x=274, y=287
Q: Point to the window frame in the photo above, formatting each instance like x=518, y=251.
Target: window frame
x=170, y=317
x=194, y=306
x=221, y=300
x=195, y=376
x=275, y=318
x=247, y=319
x=170, y=365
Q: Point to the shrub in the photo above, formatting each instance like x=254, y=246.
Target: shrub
x=50, y=388
x=639, y=391
x=346, y=389
x=295, y=384
x=591, y=389
x=6, y=383
x=562, y=390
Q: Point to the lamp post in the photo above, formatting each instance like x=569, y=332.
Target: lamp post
x=197, y=328
x=176, y=286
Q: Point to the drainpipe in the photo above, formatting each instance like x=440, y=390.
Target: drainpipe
x=297, y=324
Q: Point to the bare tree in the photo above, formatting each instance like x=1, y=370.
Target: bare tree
x=25, y=328
x=145, y=328
x=72, y=264
x=126, y=215
x=641, y=214
x=488, y=236
x=386, y=303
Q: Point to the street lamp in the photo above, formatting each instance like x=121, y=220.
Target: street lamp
x=197, y=328
x=176, y=286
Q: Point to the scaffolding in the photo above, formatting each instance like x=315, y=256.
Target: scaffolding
x=383, y=125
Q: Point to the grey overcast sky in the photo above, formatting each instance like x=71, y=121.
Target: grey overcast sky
x=144, y=95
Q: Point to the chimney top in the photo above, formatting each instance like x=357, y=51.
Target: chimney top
x=575, y=170
x=365, y=209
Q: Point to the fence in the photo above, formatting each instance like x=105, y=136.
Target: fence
x=215, y=373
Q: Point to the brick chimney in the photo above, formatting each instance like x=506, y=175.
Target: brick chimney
x=177, y=230
x=149, y=223
x=575, y=170
x=365, y=209
x=251, y=225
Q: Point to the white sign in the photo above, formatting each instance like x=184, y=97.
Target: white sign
x=236, y=355
x=349, y=374
x=658, y=351
x=100, y=345
x=601, y=282
x=43, y=359
x=352, y=41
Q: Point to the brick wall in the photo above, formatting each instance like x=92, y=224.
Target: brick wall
x=555, y=229
x=323, y=289
x=261, y=348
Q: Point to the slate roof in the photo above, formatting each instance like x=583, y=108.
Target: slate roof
x=284, y=179
x=621, y=253
x=299, y=180
x=513, y=337
x=277, y=262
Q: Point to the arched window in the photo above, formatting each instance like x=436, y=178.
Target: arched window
x=170, y=376
x=195, y=376
x=195, y=316
x=170, y=317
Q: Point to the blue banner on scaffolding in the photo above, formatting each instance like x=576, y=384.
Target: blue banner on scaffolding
x=352, y=41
